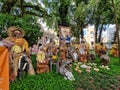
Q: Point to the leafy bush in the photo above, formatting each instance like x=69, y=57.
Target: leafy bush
x=28, y=23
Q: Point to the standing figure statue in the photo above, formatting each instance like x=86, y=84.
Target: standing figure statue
x=19, y=52
x=83, y=51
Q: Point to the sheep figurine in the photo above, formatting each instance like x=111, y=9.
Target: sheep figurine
x=65, y=70
x=104, y=58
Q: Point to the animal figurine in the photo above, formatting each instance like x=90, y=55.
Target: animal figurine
x=104, y=58
x=23, y=65
x=65, y=70
x=91, y=57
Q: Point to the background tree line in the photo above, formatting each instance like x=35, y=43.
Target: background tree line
x=74, y=13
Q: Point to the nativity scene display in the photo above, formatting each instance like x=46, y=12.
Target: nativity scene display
x=64, y=59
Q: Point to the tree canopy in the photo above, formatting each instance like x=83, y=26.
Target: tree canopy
x=74, y=13
x=28, y=23
x=80, y=13
x=23, y=14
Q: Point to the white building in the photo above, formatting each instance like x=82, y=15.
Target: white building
x=110, y=32
x=107, y=35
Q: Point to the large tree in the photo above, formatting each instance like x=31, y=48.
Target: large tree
x=75, y=13
x=79, y=18
x=21, y=7
x=27, y=23
x=23, y=14
x=58, y=11
x=117, y=21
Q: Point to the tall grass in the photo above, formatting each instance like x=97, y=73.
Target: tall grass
x=102, y=80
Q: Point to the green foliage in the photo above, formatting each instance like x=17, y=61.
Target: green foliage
x=28, y=23
x=58, y=11
x=45, y=81
x=63, y=12
x=80, y=17
x=81, y=12
x=21, y=8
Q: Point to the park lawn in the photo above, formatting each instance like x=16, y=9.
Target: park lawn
x=102, y=80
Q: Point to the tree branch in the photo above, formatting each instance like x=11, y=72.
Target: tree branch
x=22, y=7
x=36, y=7
x=33, y=13
x=7, y=5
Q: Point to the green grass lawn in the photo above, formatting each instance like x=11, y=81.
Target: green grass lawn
x=102, y=80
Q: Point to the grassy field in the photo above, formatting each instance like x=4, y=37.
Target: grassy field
x=102, y=80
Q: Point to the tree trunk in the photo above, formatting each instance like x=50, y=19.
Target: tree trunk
x=115, y=37
x=78, y=31
x=117, y=27
x=81, y=32
x=100, y=34
x=96, y=34
x=22, y=7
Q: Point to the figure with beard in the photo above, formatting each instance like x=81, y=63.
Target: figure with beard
x=20, y=48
